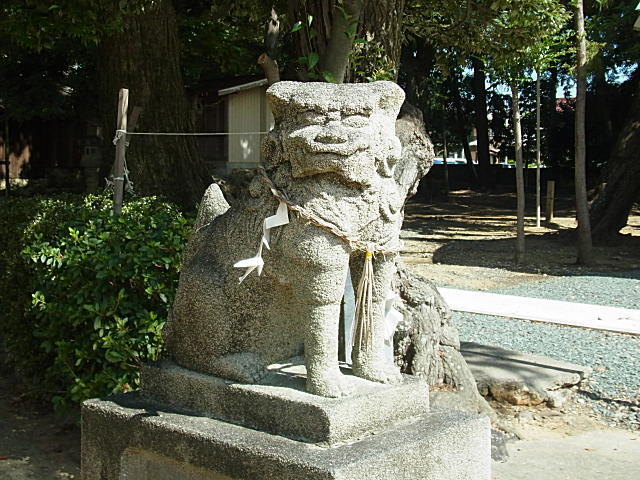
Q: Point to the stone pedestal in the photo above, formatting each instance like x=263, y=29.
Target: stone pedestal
x=189, y=426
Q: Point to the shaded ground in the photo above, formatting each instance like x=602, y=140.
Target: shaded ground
x=470, y=241
x=34, y=443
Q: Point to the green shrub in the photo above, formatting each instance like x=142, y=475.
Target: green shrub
x=101, y=286
x=21, y=218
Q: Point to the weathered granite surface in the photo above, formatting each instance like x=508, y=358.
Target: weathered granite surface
x=427, y=345
x=125, y=437
x=332, y=152
x=521, y=378
x=280, y=404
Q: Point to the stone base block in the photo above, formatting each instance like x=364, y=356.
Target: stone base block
x=281, y=405
x=127, y=437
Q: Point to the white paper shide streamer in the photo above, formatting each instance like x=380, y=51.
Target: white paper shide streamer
x=280, y=218
x=391, y=316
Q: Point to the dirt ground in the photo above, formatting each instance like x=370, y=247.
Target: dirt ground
x=35, y=444
x=467, y=242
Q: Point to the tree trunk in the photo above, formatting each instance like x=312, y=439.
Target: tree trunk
x=482, y=124
x=377, y=21
x=585, y=250
x=461, y=126
x=553, y=139
x=332, y=40
x=382, y=22
x=517, y=132
x=538, y=149
x=426, y=342
x=268, y=60
x=445, y=163
x=144, y=58
x=336, y=59
x=610, y=209
x=416, y=65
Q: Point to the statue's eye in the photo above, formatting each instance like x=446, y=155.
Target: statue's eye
x=312, y=118
x=356, y=121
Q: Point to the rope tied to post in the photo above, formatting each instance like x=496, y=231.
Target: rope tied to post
x=119, y=135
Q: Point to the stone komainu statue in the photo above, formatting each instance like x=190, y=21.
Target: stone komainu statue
x=332, y=153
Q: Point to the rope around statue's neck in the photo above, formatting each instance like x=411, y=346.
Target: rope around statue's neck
x=354, y=244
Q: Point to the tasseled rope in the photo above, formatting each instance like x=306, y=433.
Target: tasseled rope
x=362, y=325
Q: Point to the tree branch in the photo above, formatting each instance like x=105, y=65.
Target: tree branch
x=270, y=68
x=271, y=44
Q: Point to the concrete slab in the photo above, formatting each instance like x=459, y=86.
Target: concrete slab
x=124, y=435
x=281, y=405
x=496, y=368
x=598, y=317
x=608, y=454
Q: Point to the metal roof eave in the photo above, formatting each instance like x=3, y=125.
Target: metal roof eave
x=245, y=86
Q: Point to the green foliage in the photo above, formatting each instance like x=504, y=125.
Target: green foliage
x=310, y=61
x=219, y=39
x=510, y=36
x=21, y=219
x=100, y=286
x=369, y=62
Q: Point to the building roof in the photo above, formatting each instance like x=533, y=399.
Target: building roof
x=243, y=86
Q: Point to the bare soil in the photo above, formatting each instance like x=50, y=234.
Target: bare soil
x=469, y=242
x=35, y=444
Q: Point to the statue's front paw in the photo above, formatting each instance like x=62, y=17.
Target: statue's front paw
x=332, y=385
x=378, y=373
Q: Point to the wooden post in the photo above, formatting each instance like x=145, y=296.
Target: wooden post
x=445, y=154
x=7, y=180
x=5, y=154
x=551, y=192
x=121, y=146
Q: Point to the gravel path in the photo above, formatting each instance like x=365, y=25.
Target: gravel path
x=614, y=388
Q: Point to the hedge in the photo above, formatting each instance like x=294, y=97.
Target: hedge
x=87, y=292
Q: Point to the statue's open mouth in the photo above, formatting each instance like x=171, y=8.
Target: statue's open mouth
x=351, y=163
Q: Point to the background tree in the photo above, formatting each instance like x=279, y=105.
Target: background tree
x=609, y=27
x=516, y=50
x=150, y=48
x=481, y=121
x=137, y=48
x=585, y=250
x=506, y=35
x=620, y=187
x=148, y=64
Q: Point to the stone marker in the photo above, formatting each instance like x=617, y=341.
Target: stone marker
x=233, y=397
